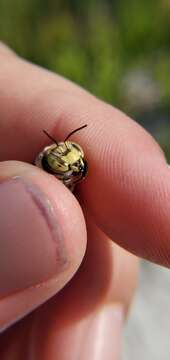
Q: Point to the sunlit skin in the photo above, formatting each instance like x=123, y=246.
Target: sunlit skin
x=120, y=212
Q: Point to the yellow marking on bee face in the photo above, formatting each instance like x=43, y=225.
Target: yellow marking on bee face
x=56, y=163
x=72, y=156
x=63, y=156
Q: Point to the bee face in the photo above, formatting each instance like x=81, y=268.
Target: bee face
x=64, y=157
x=65, y=160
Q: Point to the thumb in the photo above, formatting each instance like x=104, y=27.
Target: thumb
x=42, y=238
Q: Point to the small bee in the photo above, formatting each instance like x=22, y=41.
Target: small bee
x=65, y=160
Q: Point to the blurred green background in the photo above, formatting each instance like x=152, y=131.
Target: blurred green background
x=119, y=50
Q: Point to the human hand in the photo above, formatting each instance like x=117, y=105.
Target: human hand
x=125, y=198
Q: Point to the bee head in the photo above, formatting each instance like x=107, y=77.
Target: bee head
x=64, y=157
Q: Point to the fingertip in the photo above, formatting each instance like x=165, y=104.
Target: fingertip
x=43, y=236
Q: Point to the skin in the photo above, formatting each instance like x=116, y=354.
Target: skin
x=122, y=210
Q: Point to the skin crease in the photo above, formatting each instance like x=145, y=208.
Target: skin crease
x=125, y=198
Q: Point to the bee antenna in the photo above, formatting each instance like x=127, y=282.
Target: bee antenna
x=72, y=132
x=50, y=137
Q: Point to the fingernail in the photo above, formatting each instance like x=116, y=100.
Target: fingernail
x=31, y=242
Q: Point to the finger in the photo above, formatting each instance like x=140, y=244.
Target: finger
x=33, y=99
x=90, y=307
x=127, y=190
x=42, y=239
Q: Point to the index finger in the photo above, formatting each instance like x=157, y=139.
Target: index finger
x=127, y=190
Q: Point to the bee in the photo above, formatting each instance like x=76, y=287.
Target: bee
x=65, y=160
